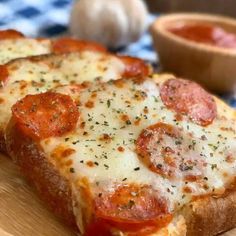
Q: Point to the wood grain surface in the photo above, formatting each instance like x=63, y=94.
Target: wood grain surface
x=22, y=213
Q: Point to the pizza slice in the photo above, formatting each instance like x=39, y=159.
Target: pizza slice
x=14, y=44
x=39, y=74
x=130, y=157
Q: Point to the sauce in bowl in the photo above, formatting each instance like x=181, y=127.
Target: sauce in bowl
x=205, y=33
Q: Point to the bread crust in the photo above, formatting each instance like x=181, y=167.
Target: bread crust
x=206, y=216
x=3, y=147
x=210, y=215
x=52, y=187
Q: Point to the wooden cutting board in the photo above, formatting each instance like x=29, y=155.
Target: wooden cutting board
x=22, y=213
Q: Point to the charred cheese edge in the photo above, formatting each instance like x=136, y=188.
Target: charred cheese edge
x=113, y=166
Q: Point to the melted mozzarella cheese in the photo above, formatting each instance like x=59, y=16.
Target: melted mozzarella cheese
x=23, y=47
x=104, y=142
x=29, y=77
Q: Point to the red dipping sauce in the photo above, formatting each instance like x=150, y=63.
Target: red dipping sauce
x=207, y=34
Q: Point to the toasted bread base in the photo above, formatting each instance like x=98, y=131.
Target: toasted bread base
x=206, y=216
x=210, y=216
x=3, y=148
x=51, y=186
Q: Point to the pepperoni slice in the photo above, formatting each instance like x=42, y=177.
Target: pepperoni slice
x=65, y=45
x=132, y=208
x=10, y=34
x=45, y=115
x=170, y=152
x=134, y=67
x=4, y=75
x=188, y=98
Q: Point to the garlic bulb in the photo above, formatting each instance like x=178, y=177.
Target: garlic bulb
x=113, y=23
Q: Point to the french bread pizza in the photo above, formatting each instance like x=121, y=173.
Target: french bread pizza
x=38, y=74
x=14, y=44
x=130, y=157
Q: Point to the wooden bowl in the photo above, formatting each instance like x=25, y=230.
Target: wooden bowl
x=211, y=66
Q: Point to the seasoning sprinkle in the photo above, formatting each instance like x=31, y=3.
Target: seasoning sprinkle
x=108, y=103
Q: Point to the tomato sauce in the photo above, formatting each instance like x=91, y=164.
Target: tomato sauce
x=205, y=33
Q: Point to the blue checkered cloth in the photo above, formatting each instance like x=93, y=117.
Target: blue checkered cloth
x=49, y=18
x=35, y=17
